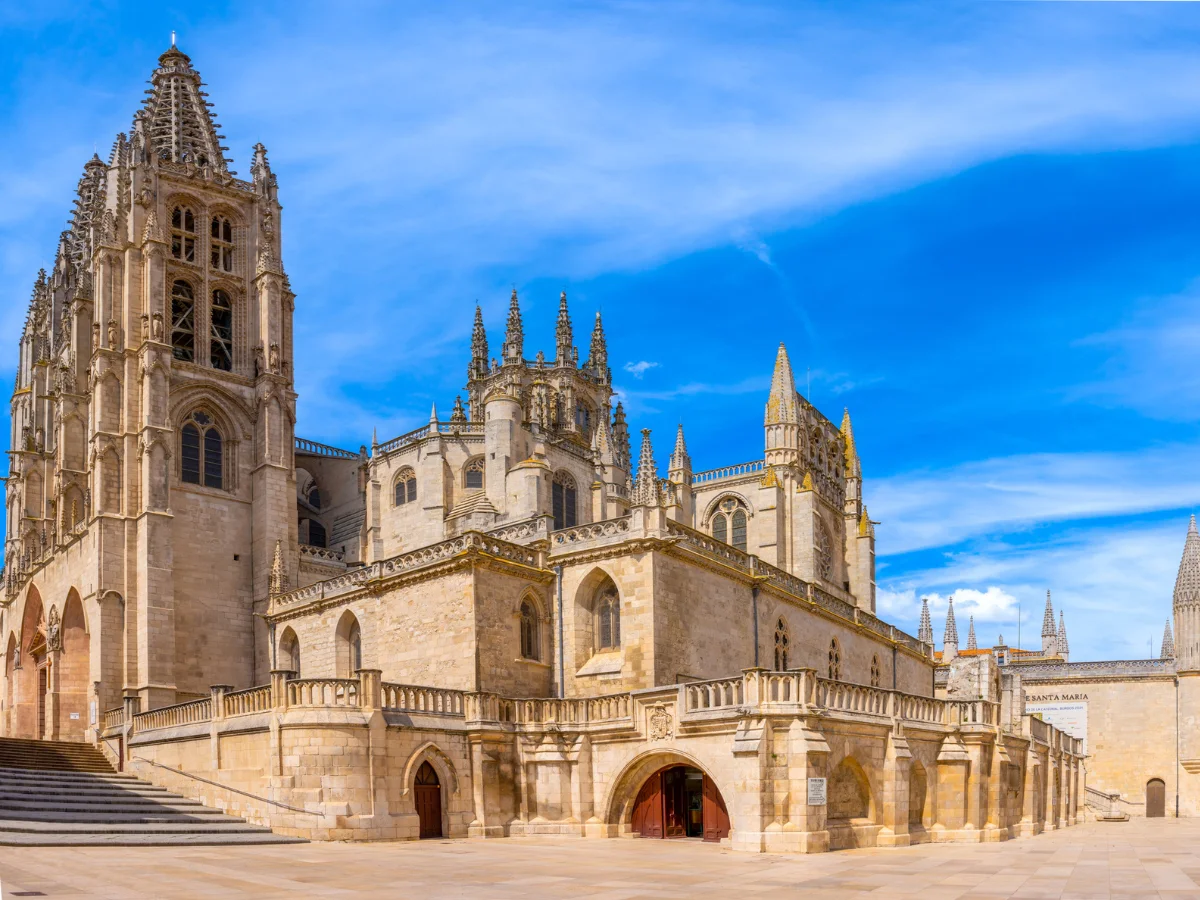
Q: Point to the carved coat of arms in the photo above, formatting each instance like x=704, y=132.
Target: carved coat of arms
x=660, y=723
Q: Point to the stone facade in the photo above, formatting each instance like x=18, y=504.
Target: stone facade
x=497, y=624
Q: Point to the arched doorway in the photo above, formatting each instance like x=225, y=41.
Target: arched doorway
x=1156, y=798
x=427, y=790
x=680, y=801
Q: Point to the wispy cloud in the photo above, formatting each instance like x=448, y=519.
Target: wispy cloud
x=639, y=369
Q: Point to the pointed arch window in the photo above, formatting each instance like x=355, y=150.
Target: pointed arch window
x=563, y=497
x=183, y=234
x=220, y=339
x=782, y=646
x=729, y=523
x=530, y=631
x=221, y=244
x=835, y=660
x=349, y=646
x=405, y=490
x=202, y=452
x=473, y=475
x=608, y=617
x=876, y=675
x=183, y=322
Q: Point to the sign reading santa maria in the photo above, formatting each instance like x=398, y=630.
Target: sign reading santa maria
x=1066, y=712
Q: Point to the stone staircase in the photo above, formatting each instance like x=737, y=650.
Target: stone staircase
x=61, y=794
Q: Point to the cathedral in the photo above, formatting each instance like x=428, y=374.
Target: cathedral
x=504, y=622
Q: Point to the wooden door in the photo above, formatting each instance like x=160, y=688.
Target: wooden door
x=675, y=807
x=428, y=795
x=648, y=808
x=42, y=687
x=1156, y=799
x=716, y=816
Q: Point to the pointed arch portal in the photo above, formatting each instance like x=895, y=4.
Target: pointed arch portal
x=680, y=801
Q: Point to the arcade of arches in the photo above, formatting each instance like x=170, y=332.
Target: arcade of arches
x=48, y=694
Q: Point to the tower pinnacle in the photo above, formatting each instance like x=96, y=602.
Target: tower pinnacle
x=971, y=644
x=564, y=340
x=1049, y=632
x=950, y=638
x=645, y=488
x=514, y=335
x=925, y=632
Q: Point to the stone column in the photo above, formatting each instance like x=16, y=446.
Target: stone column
x=896, y=770
x=953, y=767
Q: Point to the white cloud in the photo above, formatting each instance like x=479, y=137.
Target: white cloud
x=638, y=369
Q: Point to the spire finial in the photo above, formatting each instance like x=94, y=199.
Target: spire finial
x=172, y=38
x=564, y=339
x=925, y=632
x=645, y=488
x=514, y=336
x=1063, y=647
x=278, y=571
x=781, y=403
x=1168, y=642
x=971, y=645
x=950, y=637
x=1049, y=631
x=680, y=461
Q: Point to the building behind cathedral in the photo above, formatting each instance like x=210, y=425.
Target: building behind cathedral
x=504, y=622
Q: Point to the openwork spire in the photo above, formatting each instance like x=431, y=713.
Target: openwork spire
x=782, y=405
x=1049, y=632
x=1168, y=642
x=175, y=121
x=645, y=488
x=925, y=632
x=621, y=448
x=279, y=579
x=1187, y=582
x=853, y=465
x=951, y=635
x=680, y=461
x=479, y=346
x=598, y=362
x=564, y=340
x=971, y=645
x=1063, y=647
x=514, y=336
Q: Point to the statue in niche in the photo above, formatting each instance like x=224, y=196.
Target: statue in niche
x=95, y=335
x=112, y=334
x=273, y=358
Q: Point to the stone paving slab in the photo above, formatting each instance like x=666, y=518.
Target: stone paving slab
x=1102, y=861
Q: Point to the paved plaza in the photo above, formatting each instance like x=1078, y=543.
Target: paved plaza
x=1146, y=858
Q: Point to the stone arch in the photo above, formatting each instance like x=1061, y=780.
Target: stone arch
x=31, y=648
x=589, y=639
x=1156, y=798
x=74, y=670
x=108, y=480
x=74, y=439
x=288, y=655
x=10, y=675
x=852, y=810
x=918, y=795
x=532, y=623
x=348, y=643
x=618, y=805
x=229, y=412
x=442, y=764
x=712, y=505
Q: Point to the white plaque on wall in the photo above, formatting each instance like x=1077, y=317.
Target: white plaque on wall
x=816, y=792
x=1069, y=716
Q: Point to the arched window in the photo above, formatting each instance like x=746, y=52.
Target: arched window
x=202, y=453
x=782, y=645
x=729, y=523
x=314, y=497
x=608, y=617
x=222, y=244
x=316, y=533
x=406, y=487
x=530, y=633
x=220, y=341
x=183, y=234
x=289, y=652
x=563, y=497
x=349, y=646
x=183, y=321
x=583, y=419
x=835, y=660
x=875, y=673
x=473, y=475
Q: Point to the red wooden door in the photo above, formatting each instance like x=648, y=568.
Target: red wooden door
x=428, y=796
x=648, y=808
x=675, y=808
x=716, y=816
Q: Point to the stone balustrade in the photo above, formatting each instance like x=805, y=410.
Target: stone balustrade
x=323, y=692
x=474, y=429
x=312, y=448
x=252, y=700
x=722, y=693
x=425, y=700
x=173, y=716
x=322, y=554
x=535, y=528
x=567, y=538
x=736, y=471
x=112, y=718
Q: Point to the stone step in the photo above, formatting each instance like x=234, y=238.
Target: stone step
x=48, y=776
x=38, y=804
x=10, y=790
x=102, y=839
x=228, y=826
x=116, y=818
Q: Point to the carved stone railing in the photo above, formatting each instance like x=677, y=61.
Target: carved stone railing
x=173, y=716
x=972, y=712
x=1037, y=729
x=252, y=700
x=709, y=546
x=429, y=430
x=568, y=537
x=322, y=554
x=303, y=445
x=724, y=693
x=854, y=698
x=536, y=528
x=426, y=700
x=728, y=472
x=112, y=718
x=539, y=711
x=922, y=709
x=1099, y=669
x=323, y=692
x=406, y=562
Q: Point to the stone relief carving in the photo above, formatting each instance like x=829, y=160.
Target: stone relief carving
x=661, y=724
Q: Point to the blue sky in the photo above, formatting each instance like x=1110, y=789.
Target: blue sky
x=975, y=225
